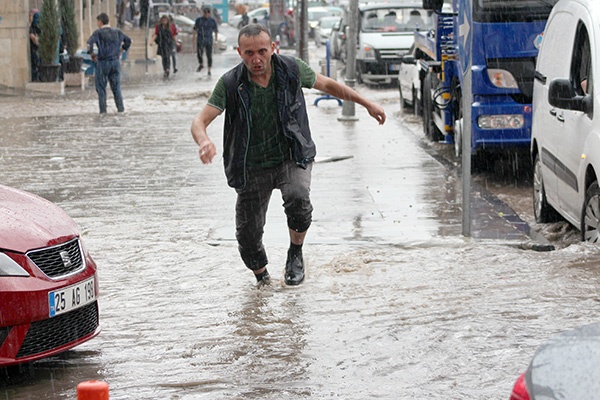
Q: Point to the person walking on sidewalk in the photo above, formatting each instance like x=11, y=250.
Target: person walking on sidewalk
x=164, y=37
x=204, y=27
x=110, y=42
x=267, y=143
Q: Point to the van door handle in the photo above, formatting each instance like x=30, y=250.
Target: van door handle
x=553, y=112
x=560, y=118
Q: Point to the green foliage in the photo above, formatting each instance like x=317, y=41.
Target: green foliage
x=50, y=27
x=67, y=14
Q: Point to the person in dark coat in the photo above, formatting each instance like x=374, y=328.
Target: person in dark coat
x=203, y=36
x=34, y=37
x=110, y=42
x=164, y=37
x=144, y=6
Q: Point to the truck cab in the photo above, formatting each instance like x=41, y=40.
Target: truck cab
x=497, y=44
x=385, y=34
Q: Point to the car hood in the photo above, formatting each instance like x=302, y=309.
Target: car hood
x=29, y=222
x=566, y=366
x=388, y=40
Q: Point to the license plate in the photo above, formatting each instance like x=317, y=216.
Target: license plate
x=71, y=297
x=394, y=67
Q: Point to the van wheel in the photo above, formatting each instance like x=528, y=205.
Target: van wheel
x=542, y=211
x=590, y=218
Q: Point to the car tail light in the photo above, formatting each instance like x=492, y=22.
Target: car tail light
x=519, y=391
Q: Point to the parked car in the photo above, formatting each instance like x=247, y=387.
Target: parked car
x=323, y=29
x=316, y=13
x=48, y=281
x=337, y=40
x=566, y=366
x=260, y=14
x=409, y=82
x=565, y=142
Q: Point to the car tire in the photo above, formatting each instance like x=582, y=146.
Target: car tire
x=416, y=103
x=590, y=216
x=402, y=101
x=430, y=130
x=542, y=211
x=458, y=127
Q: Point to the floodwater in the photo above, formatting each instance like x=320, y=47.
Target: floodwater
x=396, y=303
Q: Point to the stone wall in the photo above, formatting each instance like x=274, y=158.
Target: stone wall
x=15, y=70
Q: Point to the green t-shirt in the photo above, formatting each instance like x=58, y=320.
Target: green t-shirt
x=268, y=146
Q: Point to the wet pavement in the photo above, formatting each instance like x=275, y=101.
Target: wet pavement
x=397, y=304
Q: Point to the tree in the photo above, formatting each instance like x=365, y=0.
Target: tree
x=50, y=32
x=71, y=33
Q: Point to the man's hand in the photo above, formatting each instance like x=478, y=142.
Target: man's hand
x=94, y=57
x=207, y=151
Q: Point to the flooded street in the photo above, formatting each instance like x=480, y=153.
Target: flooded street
x=397, y=304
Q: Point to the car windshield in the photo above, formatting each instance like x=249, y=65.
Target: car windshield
x=327, y=23
x=511, y=10
x=395, y=20
x=315, y=15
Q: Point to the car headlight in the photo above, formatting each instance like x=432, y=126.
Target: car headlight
x=8, y=267
x=508, y=121
x=502, y=79
x=369, y=51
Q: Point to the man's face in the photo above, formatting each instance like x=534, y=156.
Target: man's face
x=256, y=52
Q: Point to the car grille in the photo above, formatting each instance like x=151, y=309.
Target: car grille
x=57, y=261
x=392, y=56
x=58, y=331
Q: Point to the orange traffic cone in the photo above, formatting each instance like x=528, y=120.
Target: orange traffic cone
x=92, y=390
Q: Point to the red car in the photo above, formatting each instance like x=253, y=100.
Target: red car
x=48, y=282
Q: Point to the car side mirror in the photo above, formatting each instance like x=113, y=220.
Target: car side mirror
x=561, y=94
x=433, y=4
x=409, y=59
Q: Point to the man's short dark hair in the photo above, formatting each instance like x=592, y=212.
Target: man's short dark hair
x=251, y=30
x=103, y=17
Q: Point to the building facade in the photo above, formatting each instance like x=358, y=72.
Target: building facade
x=15, y=66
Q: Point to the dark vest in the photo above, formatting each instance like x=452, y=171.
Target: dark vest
x=291, y=108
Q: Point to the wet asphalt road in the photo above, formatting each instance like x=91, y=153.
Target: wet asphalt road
x=396, y=304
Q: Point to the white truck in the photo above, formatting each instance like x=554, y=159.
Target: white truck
x=385, y=34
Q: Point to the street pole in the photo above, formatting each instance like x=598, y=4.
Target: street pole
x=467, y=102
x=303, y=23
x=348, y=107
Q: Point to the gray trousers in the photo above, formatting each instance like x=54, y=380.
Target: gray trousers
x=253, y=202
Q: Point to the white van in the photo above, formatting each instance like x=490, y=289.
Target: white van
x=565, y=142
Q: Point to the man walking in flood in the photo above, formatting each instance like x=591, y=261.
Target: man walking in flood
x=110, y=42
x=267, y=143
x=204, y=28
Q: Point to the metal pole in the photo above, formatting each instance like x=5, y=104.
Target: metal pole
x=467, y=102
x=348, y=108
x=303, y=40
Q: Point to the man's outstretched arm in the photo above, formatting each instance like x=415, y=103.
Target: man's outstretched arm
x=341, y=91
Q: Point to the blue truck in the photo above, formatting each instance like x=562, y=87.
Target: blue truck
x=499, y=40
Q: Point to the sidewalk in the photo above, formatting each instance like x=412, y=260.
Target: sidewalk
x=379, y=184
